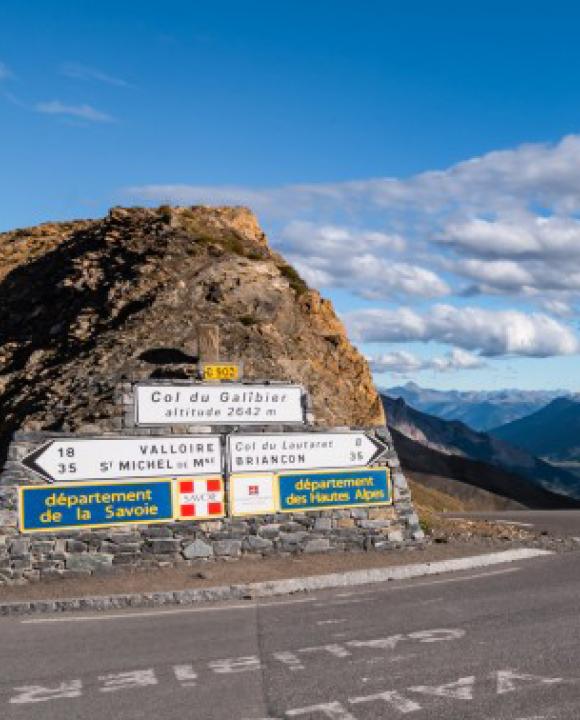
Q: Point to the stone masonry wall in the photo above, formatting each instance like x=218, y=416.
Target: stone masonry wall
x=69, y=553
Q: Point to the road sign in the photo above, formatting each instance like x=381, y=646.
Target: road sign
x=234, y=404
x=221, y=371
x=45, y=508
x=200, y=498
x=334, y=489
x=253, y=494
x=300, y=451
x=104, y=458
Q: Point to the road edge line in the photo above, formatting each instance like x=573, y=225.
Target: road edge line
x=268, y=588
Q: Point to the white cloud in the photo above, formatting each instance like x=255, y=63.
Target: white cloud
x=490, y=332
x=534, y=174
x=523, y=237
x=498, y=274
x=438, y=212
x=330, y=239
x=338, y=256
x=83, y=72
x=370, y=276
x=534, y=278
x=401, y=362
x=85, y=112
x=457, y=359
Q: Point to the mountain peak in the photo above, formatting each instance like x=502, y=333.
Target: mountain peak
x=89, y=303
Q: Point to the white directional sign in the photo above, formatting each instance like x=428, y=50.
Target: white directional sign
x=302, y=451
x=110, y=458
x=218, y=404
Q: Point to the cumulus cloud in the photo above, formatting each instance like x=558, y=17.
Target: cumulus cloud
x=532, y=279
x=401, y=362
x=471, y=230
x=523, y=237
x=361, y=260
x=85, y=112
x=489, y=332
x=330, y=239
x=503, y=275
x=524, y=177
x=83, y=72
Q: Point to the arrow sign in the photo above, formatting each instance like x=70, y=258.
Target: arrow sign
x=109, y=458
x=302, y=451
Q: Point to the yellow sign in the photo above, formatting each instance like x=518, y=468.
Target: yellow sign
x=221, y=371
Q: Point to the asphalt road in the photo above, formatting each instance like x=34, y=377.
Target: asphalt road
x=498, y=644
x=565, y=523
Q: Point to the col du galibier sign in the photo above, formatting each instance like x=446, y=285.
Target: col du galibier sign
x=232, y=404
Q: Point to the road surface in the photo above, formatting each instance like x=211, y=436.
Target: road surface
x=496, y=644
x=562, y=523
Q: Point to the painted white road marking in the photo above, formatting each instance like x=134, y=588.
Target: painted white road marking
x=509, y=681
x=289, y=659
x=38, y=693
x=235, y=665
x=352, y=593
x=461, y=689
x=185, y=675
x=160, y=613
x=252, y=605
x=338, y=603
x=506, y=681
x=466, y=578
x=387, y=643
x=126, y=680
x=337, y=621
x=333, y=649
x=332, y=710
x=390, y=697
x=431, y=636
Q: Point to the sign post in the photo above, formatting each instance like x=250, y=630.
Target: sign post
x=302, y=451
x=110, y=458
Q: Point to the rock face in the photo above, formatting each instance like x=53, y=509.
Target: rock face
x=85, y=305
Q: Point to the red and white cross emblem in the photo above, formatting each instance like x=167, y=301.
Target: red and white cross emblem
x=201, y=498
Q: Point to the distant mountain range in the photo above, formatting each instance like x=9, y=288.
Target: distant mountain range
x=454, y=438
x=481, y=410
x=473, y=485
x=553, y=432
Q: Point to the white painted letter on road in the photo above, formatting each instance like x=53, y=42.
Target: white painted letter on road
x=38, y=693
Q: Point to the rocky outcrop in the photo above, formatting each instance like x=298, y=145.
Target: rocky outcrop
x=88, y=304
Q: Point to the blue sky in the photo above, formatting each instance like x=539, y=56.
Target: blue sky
x=418, y=161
